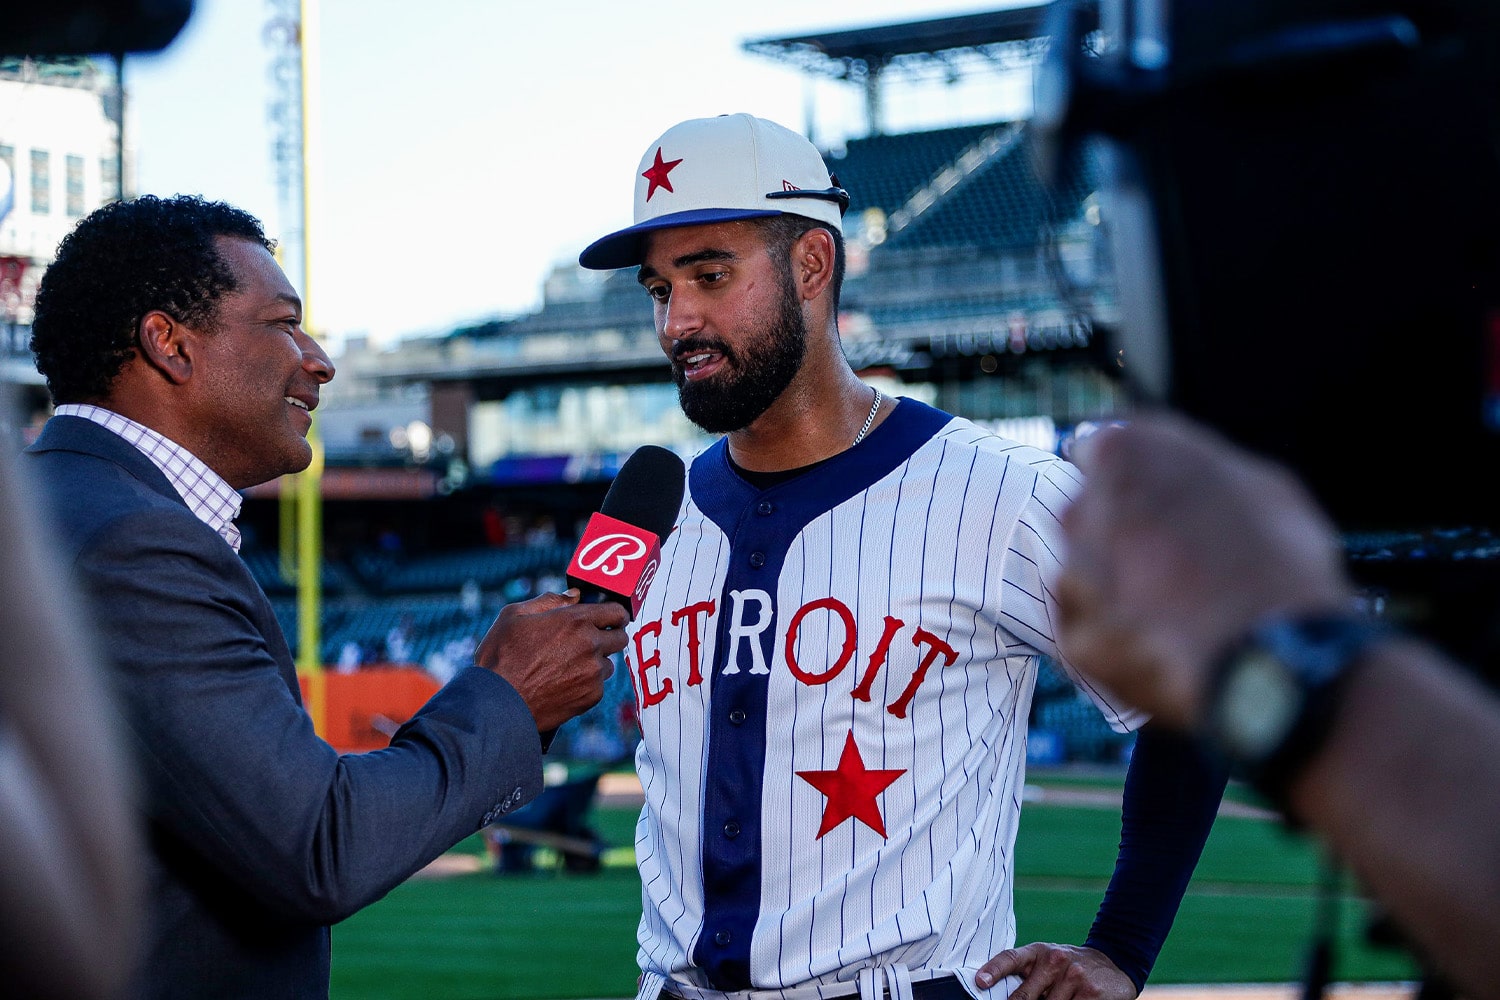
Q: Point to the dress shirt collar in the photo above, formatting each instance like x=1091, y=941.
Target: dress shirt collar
x=207, y=495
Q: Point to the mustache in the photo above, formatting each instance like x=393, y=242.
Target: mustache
x=684, y=348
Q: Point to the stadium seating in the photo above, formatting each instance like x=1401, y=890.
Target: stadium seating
x=1002, y=205
x=992, y=199
x=377, y=592
x=488, y=567
x=1085, y=735
x=265, y=566
x=883, y=171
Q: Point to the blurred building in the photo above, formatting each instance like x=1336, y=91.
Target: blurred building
x=60, y=158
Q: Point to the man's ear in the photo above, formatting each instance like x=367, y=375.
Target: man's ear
x=812, y=262
x=166, y=346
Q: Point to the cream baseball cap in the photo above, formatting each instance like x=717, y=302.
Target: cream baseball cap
x=708, y=170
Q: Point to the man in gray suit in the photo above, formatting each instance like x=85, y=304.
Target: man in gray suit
x=172, y=343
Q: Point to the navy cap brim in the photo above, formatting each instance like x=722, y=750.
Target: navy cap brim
x=627, y=247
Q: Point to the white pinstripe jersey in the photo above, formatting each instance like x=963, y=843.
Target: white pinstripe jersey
x=833, y=679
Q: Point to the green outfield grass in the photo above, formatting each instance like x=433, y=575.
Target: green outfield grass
x=551, y=935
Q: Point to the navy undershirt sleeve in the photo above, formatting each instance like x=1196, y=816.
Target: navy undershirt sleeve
x=1172, y=793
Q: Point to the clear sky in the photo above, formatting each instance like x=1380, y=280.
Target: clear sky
x=464, y=148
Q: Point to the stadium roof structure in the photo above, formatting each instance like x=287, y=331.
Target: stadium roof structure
x=863, y=55
x=846, y=52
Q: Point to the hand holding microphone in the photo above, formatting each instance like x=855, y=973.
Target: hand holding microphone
x=556, y=649
x=555, y=652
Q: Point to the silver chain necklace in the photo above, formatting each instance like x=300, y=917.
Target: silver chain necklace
x=869, y=420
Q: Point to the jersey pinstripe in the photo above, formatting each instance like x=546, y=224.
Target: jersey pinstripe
x=833, y=680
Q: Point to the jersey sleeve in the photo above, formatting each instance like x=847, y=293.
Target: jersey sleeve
x=1032, y=563
x=1173, y=789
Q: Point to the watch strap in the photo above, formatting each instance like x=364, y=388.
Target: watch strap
x=1318, y=653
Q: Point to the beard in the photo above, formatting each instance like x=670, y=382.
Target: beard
x=752, y=378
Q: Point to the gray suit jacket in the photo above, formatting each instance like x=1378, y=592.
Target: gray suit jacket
x=261, y=834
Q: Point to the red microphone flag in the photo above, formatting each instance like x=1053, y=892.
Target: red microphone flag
x=618, y=558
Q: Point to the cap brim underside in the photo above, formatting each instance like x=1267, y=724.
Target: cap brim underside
x=627, y=247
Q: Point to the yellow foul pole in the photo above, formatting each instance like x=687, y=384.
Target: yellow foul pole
x=309, y=483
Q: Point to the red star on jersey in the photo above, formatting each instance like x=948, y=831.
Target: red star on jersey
x=657, y=175
x=851, y=790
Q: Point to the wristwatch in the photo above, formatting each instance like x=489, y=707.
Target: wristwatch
x=1273, y=695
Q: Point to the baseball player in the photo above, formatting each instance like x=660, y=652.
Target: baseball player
x=835, y=664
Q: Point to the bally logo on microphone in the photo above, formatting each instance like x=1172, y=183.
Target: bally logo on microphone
x=617, y=557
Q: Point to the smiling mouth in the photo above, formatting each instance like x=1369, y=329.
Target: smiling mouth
x=698, y=363
x=297, y=403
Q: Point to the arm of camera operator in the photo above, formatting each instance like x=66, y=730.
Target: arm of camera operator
x=1404, y=791
x=1179, y=544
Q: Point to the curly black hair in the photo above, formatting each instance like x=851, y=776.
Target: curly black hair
x=121, y=262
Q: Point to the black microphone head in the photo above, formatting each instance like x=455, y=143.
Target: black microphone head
x=647, y=491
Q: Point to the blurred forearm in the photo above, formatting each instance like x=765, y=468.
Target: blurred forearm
x=1405, y=791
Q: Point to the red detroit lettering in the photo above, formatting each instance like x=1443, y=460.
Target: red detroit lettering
x=830, y=612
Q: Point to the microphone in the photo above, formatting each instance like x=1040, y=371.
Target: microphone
x=620, y=551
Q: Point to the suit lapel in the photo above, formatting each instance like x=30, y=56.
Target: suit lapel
x=79, y=434
x=82, y=436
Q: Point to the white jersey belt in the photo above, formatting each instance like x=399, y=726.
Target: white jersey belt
x=878, y=983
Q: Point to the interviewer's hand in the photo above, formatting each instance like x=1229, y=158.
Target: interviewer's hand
x=1178, y=543
x=1057, y=972
x=555, y=652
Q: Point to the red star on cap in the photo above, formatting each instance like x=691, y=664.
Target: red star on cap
x=851, y=790
x=657, y=175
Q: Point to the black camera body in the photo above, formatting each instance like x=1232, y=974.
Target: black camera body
x=92, y=27
x=1305, y=204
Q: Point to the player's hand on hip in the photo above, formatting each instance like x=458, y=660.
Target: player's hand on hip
x=555, y=652
x=1057, y=972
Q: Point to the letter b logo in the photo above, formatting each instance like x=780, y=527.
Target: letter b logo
x=610, y=554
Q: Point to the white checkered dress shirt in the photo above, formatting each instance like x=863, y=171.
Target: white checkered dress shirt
x=207, y=495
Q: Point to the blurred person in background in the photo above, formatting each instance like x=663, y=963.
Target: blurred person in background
x=71, y=854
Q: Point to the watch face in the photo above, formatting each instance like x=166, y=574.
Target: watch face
x=1259, y=705
x=1275, y=693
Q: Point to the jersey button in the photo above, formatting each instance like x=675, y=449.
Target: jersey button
x=765, y=508
x=737, y=716
x=722, y=938
x=731, y=829
x=757, y=560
